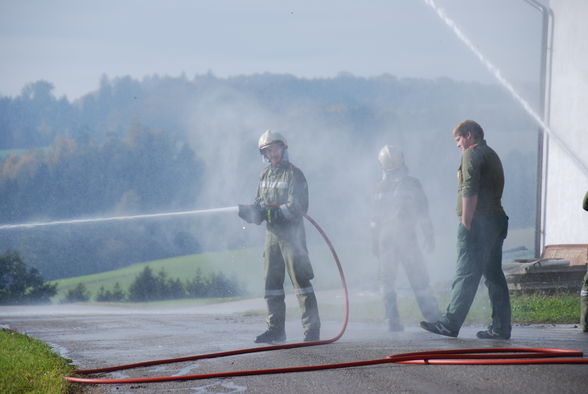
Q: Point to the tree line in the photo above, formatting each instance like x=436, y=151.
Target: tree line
x=70, y=178
x=21, y=284
x=154, y=145
x=149, y=286
x=35, y=118
x=146, y=171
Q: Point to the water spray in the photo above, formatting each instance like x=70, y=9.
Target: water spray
x=507, y=85
x=118, y=218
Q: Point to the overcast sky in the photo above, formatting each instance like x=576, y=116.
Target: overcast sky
x=71, y=43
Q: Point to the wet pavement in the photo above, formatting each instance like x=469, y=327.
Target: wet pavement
x=96, y=336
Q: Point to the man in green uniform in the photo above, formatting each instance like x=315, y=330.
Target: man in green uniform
x=401, y=211
x=282, y=198
x=584, y=291
x=482, y=229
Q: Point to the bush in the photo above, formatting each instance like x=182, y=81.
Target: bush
x=144, y=287
x=197, y=286
x=21, y=285
x=116, y=295
x=78, y=294
x=221, y=286
x=150, y=287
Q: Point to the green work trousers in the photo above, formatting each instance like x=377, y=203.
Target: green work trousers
x=479, y=253
x=285, y=249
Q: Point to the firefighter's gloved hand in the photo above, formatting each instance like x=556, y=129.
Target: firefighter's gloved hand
x=274, y=215
x=250, y=213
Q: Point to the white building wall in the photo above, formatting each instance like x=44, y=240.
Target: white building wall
x=565, y=221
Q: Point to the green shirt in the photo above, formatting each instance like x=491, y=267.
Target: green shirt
x=480, y=173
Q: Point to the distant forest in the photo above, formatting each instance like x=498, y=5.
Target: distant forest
x=164, y=144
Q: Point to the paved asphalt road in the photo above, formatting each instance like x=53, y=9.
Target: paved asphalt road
x=97, y=336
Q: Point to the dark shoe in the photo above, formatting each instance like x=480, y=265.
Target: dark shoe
x=438, y=328
x=491, y=334
x=394, y=326
x=314, y=334
x=271, y=337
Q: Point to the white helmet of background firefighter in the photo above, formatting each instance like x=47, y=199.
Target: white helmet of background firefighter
x=391, y=158
x=271, y=137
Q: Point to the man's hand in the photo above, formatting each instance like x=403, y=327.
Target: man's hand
x=468, y=208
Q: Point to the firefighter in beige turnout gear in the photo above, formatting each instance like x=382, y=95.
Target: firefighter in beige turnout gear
x=282, y=197
x=400, y=212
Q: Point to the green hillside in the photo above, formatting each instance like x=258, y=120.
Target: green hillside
x=246, y=265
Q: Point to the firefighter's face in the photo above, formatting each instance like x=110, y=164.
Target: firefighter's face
x=274, y=153
x=464, y=141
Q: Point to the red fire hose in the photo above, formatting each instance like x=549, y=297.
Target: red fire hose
x=497, y=356
x=483, y=356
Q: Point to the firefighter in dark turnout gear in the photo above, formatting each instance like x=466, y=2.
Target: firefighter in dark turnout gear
x=400, y=212
x=282, y=197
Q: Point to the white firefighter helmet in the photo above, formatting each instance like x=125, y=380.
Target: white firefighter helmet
x=271, y=137
x=390, y=158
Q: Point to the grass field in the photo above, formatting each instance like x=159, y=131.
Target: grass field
x=526, y=309
x=246, y=265
x=30, y=366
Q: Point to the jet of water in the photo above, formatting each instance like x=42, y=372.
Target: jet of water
x=507, y=85
x=114, y=218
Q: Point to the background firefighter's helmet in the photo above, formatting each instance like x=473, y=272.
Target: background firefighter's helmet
x=391, y=158
x=271, y=137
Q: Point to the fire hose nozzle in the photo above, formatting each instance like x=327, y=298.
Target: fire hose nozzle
x=250, y=213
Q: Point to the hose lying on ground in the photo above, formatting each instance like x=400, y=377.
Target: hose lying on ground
x=483, y=356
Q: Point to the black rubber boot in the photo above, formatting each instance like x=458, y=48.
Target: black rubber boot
x=271, y=336
x=312, y=334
